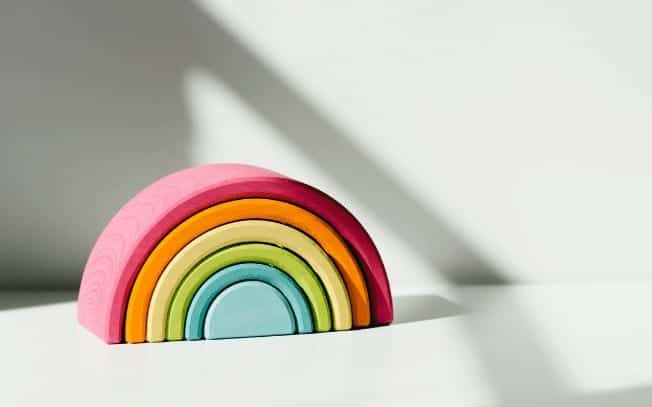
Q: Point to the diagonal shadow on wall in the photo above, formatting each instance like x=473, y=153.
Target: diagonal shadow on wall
x=330, y=147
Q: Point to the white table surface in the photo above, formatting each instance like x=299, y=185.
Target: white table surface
x=553, y=345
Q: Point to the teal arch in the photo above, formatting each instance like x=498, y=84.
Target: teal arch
x=228, y=276
x=249, y=308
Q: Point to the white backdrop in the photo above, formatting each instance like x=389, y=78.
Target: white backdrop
x=506, y=137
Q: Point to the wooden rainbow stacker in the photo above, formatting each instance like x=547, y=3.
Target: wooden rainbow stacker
x=227, y=251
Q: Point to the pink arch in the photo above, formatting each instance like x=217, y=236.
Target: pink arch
x=142, y=222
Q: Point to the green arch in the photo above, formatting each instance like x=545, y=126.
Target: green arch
x=263, y=253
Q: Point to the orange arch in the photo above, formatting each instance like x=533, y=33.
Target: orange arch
x=267, y=209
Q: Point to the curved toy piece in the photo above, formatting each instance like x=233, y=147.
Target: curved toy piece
x=141, y=223
x=247, y=309
x=244, y=272
x=245, y=231
x=232, y=211
x=282, y=259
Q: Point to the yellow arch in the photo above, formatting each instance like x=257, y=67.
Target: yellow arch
x=247, y=231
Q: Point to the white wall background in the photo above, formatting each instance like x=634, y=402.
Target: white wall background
x=517, y=133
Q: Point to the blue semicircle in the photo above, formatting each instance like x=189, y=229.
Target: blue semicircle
x=250, y=308
x=237, y=273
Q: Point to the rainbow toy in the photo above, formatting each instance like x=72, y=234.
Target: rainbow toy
x=228, y=250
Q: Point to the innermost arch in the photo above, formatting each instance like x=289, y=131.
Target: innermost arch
x=249, y=308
